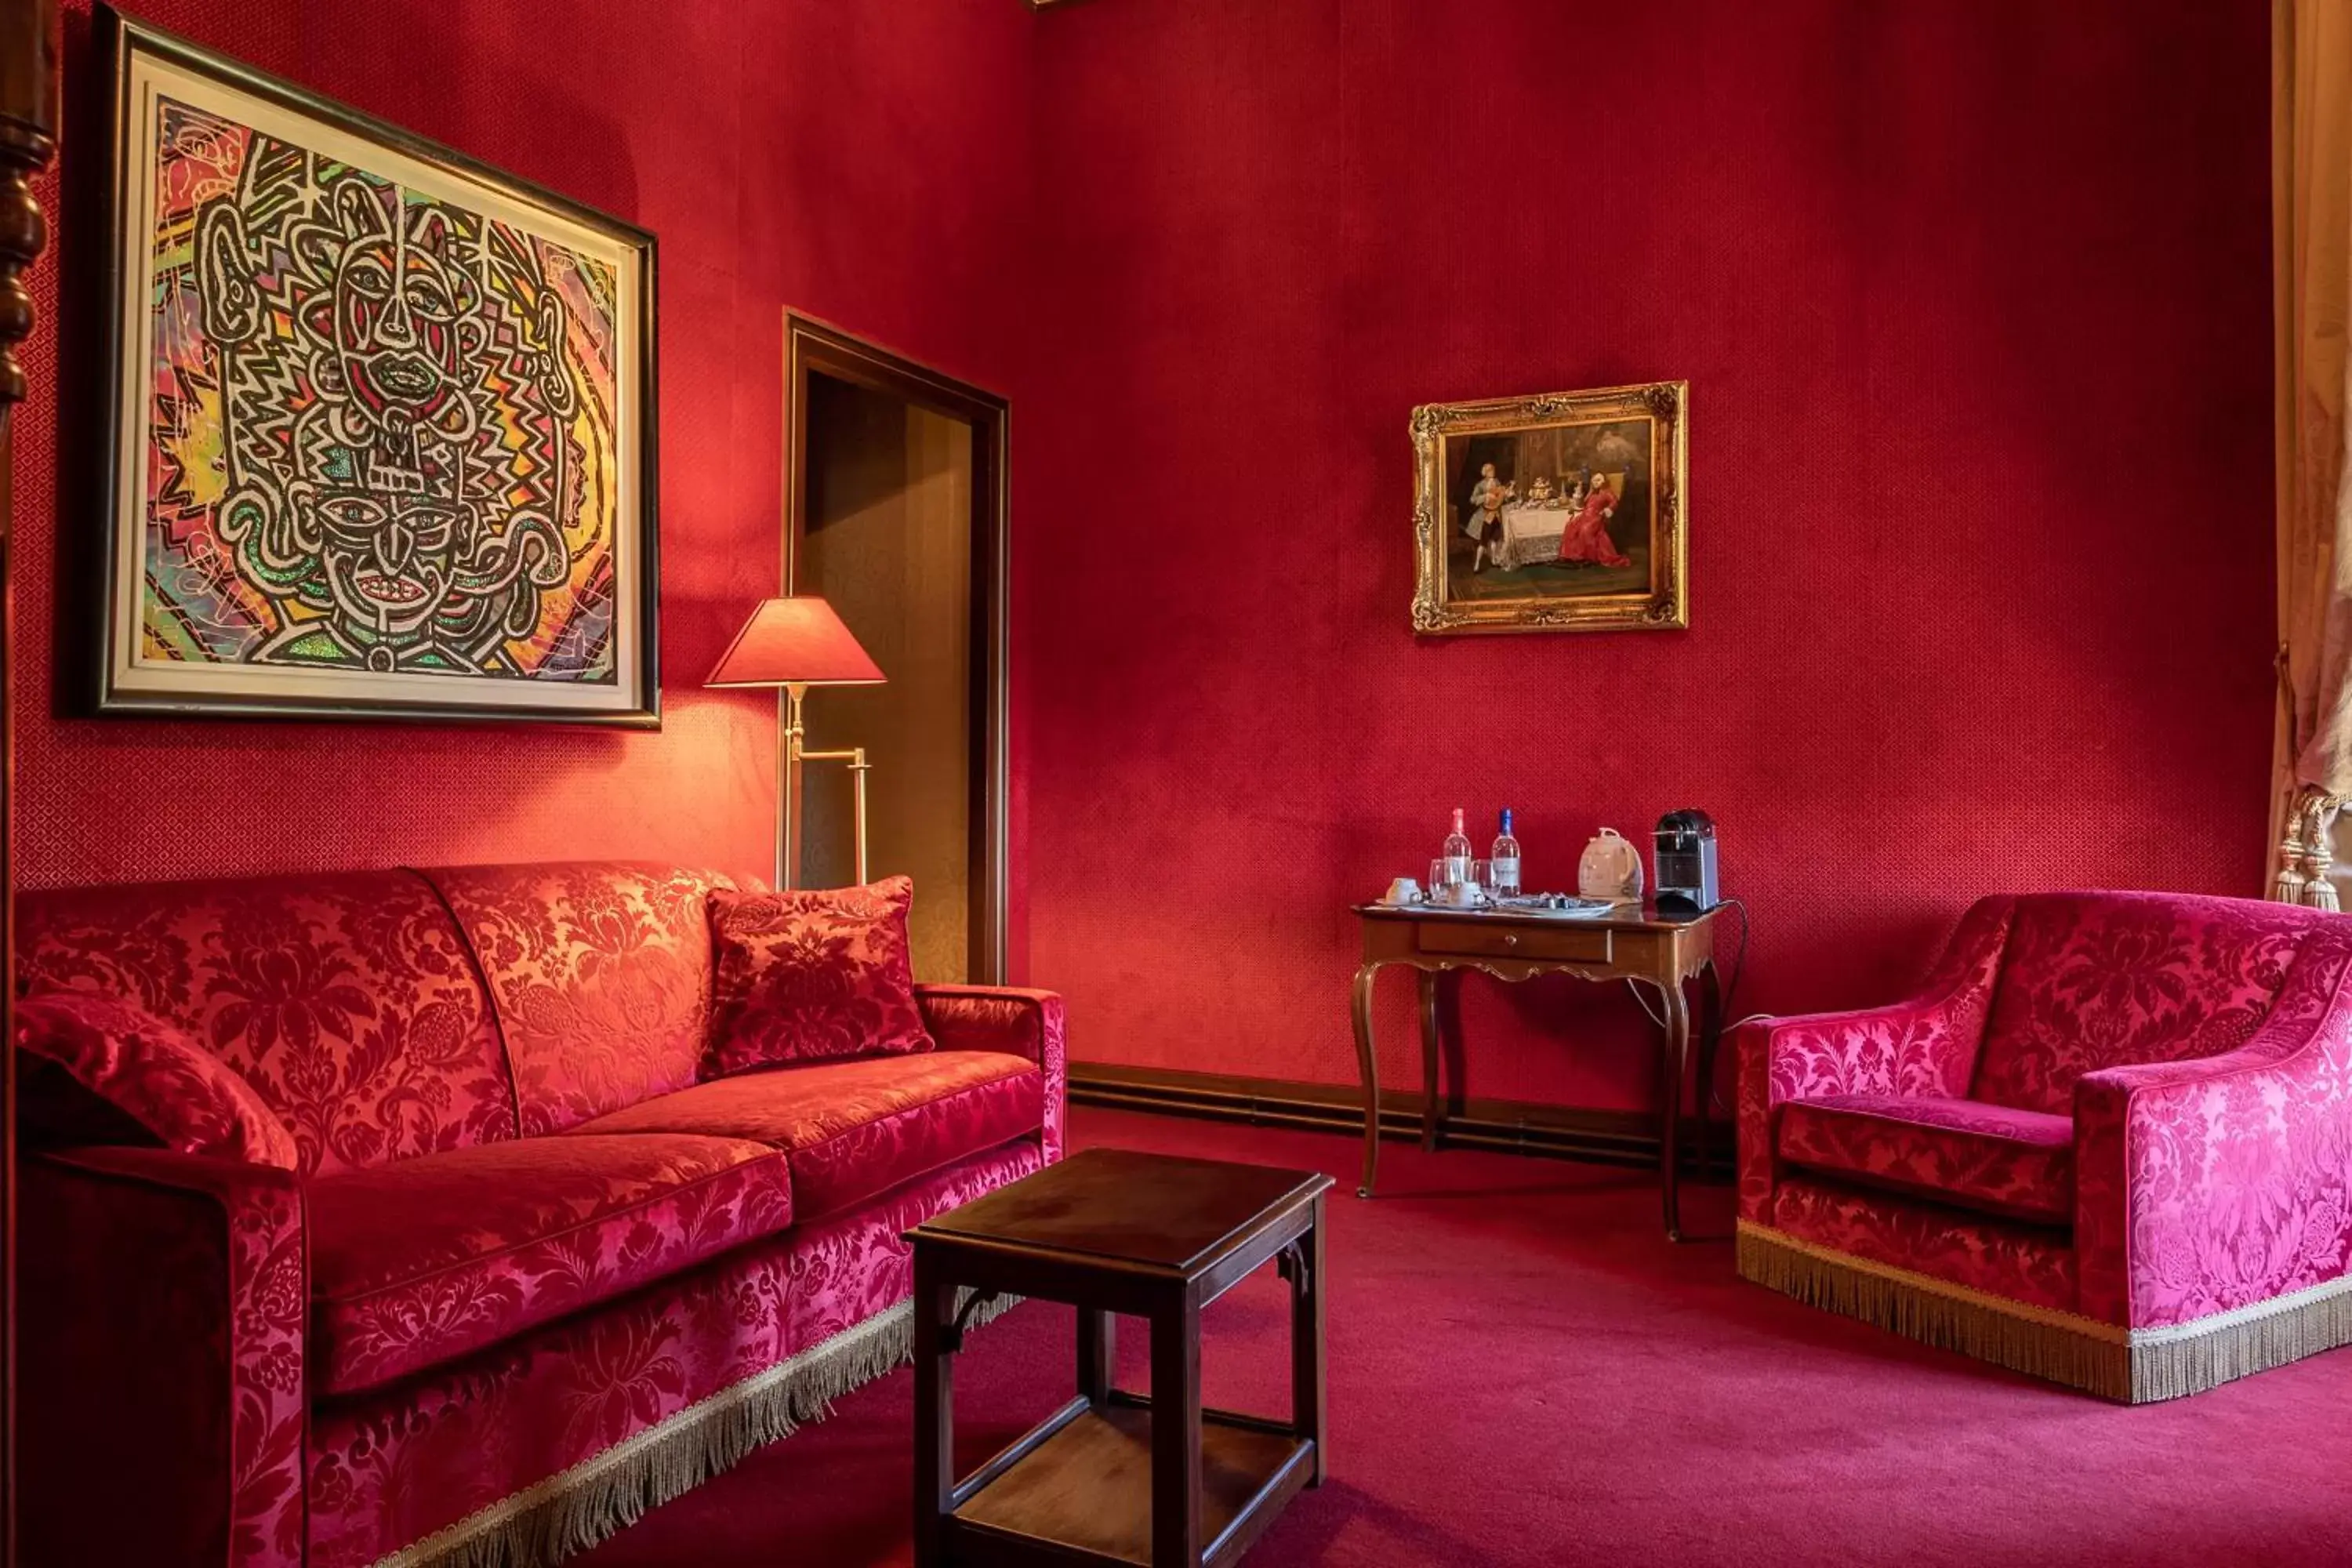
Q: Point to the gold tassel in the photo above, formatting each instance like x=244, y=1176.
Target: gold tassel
x=2306, y=855
x=2132, y=1366
x=599, y=1497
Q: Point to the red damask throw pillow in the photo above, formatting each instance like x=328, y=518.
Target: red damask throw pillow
x=101, y=1067
x=812, y=977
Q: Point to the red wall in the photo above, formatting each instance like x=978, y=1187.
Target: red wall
x=859, y=159
x=1973, y=297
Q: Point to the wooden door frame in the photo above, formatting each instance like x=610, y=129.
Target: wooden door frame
x=813, y=347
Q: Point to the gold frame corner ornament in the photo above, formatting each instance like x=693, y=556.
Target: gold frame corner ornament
x=1664, y=606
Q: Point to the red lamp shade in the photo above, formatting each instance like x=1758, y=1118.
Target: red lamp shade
x=797, y=641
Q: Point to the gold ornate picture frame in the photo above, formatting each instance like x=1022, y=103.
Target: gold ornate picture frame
x=1564, y=513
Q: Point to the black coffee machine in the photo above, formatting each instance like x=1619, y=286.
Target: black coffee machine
x=1687, y=878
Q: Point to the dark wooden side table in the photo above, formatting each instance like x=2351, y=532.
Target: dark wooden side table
x=1114, y=1478
x=1661, y=952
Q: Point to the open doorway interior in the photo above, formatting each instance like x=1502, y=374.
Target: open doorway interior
x=887, y=532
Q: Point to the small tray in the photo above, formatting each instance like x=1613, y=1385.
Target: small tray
x=1517, y=908
x=1571, y=909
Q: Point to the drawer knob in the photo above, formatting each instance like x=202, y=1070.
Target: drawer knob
x=1510, y=939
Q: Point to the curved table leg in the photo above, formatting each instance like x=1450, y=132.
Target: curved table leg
x=1710, y=1047
x=1369, y=1065
x=1678, y=1050
x=1430, y=1036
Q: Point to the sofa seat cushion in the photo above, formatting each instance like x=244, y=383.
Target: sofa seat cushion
x=1966, y=1153
x=851, y=1130
x=419, y=1262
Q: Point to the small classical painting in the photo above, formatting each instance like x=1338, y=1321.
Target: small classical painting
x=1559, y=512
x=381, y=418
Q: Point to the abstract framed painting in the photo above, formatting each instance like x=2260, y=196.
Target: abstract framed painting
x=380, y=418
x=1565, y=512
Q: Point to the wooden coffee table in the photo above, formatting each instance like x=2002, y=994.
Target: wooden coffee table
x=1116, y=1478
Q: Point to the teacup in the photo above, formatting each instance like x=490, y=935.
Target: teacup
x=1403, y=890
x=1465, y=895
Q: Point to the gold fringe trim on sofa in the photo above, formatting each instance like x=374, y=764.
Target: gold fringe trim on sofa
x=2207, y=1351
x=599, y=1497
x=2136, y=1366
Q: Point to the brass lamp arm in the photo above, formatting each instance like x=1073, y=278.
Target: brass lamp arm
x=859, y=768
x=789, y=755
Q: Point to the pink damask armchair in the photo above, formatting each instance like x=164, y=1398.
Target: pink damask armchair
x=2108, y=1143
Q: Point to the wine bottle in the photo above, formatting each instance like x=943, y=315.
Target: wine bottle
x=1457, y=853
x=1505, y=859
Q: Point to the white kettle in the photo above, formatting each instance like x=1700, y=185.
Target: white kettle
x=1610, y=868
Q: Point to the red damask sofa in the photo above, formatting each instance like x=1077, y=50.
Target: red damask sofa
x=526, y=1277
x=2109, y=1144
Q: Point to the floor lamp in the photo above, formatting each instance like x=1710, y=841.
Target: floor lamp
x=792, y=644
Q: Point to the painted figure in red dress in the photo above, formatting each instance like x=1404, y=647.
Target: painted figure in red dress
x=1586, y=537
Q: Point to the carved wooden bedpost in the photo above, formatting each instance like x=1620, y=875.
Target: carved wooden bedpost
x=28, y=138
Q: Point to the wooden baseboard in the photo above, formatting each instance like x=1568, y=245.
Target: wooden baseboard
x=1627, y=1138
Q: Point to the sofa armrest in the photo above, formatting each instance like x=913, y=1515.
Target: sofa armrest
x=100, y=1069
x=1925, y=1045
x=162, y=1311
x=2218, y=1182
x=1005, y=1018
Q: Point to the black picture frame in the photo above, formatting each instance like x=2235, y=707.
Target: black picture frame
x=124, y=44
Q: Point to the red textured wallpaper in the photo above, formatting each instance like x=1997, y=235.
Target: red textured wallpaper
x=734, y=131
x=1973, y=297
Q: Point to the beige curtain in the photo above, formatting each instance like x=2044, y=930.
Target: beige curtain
x=2310, y=83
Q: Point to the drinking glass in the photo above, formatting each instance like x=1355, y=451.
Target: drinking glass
x=1439, y=882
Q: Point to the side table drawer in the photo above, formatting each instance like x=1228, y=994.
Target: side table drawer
x=1477, y=939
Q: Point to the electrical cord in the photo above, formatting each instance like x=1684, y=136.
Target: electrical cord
x=1731, y=993
x=1739, y=955
x=1730, y=989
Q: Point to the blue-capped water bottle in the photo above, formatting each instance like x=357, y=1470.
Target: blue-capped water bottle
x=1504, y=860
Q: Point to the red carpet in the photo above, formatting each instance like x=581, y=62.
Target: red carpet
x=1524, y=1371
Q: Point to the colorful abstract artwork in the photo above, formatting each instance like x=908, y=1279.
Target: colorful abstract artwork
x=380, y=416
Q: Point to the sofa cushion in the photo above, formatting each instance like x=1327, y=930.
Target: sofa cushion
x=1966, y=1153
x=812, y=977
x=107, y=1059
x=346, y=1000
x=602, y=973
x=418, y=1263
x=2100, y=980
x=851, y=1130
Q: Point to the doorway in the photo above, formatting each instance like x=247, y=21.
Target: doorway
x=895, y=514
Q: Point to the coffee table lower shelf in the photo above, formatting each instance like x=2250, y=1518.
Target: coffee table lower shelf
x=1078, y=1489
